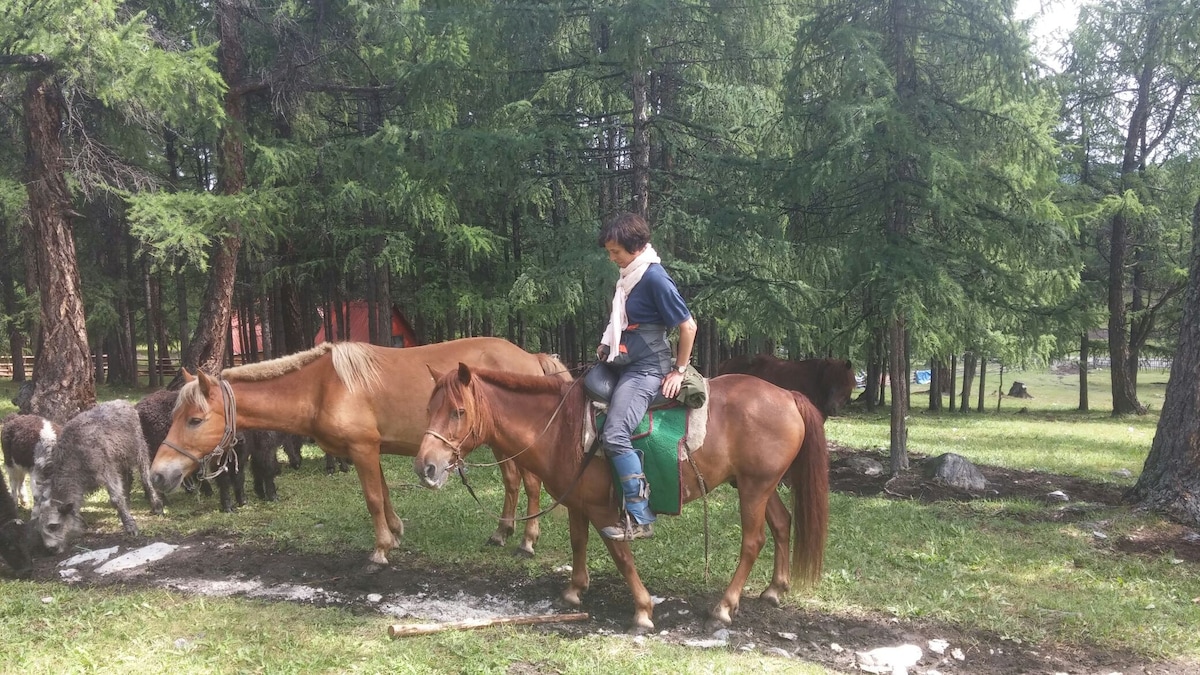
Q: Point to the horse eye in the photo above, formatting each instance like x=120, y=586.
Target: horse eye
x=195, y=421
x=457, y=414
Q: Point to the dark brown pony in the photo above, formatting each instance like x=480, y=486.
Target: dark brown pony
x=356, y=401
x=757, y=435
x=828, y=383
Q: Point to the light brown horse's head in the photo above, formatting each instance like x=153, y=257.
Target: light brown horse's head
x=199, y=429
x=458, y=423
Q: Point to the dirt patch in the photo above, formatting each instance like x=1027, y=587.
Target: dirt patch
x=418, y=589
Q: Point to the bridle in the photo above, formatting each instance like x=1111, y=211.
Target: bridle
x=460, y=463
x=205, y=467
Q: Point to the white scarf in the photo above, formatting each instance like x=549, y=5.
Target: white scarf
x=631, y=274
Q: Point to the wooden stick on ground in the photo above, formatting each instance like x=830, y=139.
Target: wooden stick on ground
x=406, y=630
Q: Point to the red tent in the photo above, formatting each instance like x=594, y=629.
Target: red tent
x=357, y=317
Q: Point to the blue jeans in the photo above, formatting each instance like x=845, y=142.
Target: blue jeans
x=630, y=399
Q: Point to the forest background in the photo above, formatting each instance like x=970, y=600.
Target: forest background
x=895, y=183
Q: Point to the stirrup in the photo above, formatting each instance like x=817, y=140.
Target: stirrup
x=628, y=530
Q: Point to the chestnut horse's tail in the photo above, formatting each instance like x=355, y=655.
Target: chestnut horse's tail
x=552, y=366
x=809, y=476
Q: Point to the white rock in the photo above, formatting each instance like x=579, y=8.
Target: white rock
x=705, y=644
x=958, y=654
x=137, y=558
x=896, y=660
x=836, y=648
x=938, y=646
x=98, y=556
x=721, y=634
x=374, y=597
x=69, y=574
x=47, y=600
x=787, y=636
x=1059, y=495
x=1099, y=535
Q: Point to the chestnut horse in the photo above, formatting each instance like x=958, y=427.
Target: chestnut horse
x=757, y=435
x=828, y=383
x=355, y=400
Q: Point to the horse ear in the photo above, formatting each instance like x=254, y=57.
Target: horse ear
x=436, y=374
x=206, y=382
x=187, y=375
x=464, y=373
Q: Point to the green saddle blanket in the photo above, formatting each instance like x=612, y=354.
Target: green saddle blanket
x=657, y=439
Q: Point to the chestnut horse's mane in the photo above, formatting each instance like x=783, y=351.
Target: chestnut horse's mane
x=477, y=410
x=356, y=365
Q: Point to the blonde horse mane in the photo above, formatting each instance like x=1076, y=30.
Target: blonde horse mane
x=355, y=365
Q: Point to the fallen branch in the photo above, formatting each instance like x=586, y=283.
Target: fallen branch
x=406, y=630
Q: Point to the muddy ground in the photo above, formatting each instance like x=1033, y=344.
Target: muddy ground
x=417, y=589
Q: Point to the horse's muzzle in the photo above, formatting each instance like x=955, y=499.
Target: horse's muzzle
x=166, y=480
x=432, y=476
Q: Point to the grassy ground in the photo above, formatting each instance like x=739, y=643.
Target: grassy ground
x=1005, y=567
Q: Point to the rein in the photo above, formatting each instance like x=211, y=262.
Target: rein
x=462, y=464
x=215, y=458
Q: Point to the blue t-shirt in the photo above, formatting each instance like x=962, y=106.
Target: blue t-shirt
x=655, y=299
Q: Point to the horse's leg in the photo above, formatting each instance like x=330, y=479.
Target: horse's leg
x=389, y=512
x=573, y=593
x=780, y=522
x=511, y=476
x=533, y=498
x=370, y=477
x=752, y=498
x=643, y=607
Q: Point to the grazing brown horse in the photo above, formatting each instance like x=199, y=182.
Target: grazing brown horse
x=355, y=400
x=757, y=434
x=828, y=383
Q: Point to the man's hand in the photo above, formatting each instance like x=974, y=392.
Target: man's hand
x=671, y=383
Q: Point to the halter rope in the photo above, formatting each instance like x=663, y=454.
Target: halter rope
x=204, y=469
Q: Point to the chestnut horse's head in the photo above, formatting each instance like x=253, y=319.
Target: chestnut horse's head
x=202, y=429
x=458, y=421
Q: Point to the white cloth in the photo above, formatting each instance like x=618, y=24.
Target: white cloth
x=631, y=274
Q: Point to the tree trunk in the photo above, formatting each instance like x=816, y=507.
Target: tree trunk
x=65, y=384
x=964, y=404
x=640, y=158
x=953, y=379
x=151, y=342
x=1084, y=355
x=8, y=286
x=1170, y=480
x=982, y=381
x=207, y=348
x=899, y=422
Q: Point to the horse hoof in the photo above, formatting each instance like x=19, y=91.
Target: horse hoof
x=524, y=552
x=771, y=596
x=494, y=540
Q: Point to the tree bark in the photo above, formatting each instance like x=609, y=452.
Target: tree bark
x=1084, y=355
x=1170, y=480
x=964, y=400
x=65, y=380
x=207, y=348
x=641, y=135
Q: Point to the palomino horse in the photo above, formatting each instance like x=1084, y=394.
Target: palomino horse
x=828, y=383
x=355, y=400
x=757, y=435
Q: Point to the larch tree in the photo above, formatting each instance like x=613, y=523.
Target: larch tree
x=1132, y=77
x=923, y=136
x=68, y=51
